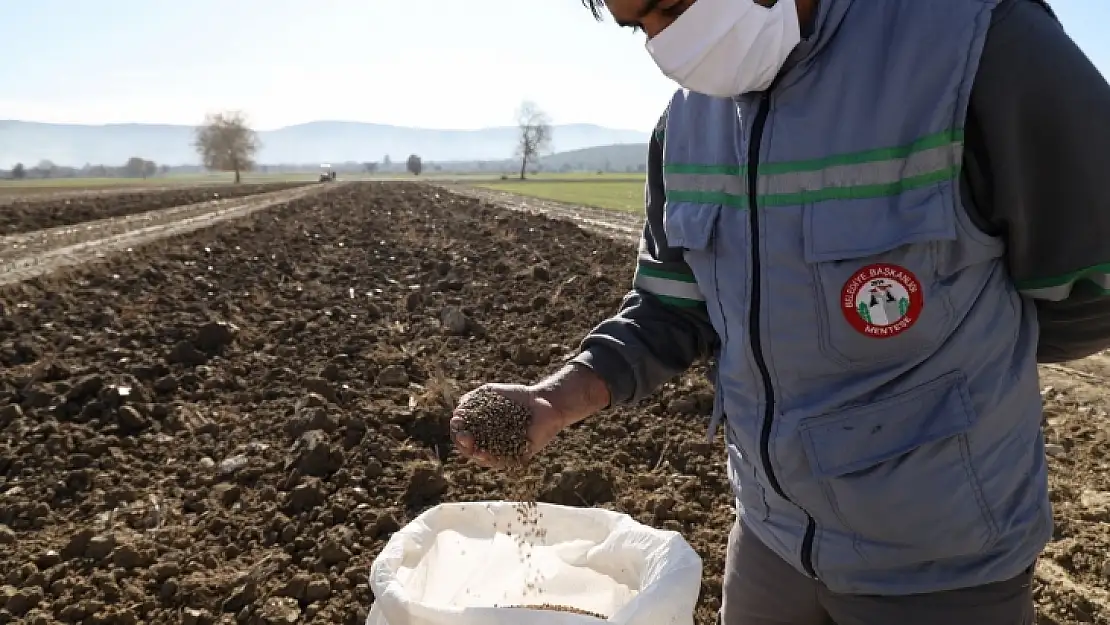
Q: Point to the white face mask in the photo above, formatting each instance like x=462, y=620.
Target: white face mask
x=725, y=48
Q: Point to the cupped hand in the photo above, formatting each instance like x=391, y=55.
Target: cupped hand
x=546, y=424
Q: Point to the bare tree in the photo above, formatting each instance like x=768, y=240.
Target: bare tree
x=226, y=143
x=414, y=165
x=19, y=172
x=534, y=137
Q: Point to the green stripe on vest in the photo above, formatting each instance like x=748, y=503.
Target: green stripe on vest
x=1059, y=288
x=873, y=173
x=677, y=289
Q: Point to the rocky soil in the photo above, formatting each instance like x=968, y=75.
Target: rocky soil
x=226, y=426
x=30, y=213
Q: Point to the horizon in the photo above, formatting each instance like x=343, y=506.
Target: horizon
x=307, y=123
x=396, y=64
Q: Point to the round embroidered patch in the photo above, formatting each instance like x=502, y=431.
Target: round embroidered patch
x=882, y=300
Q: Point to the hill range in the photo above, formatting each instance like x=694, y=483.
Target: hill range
x=321, y=141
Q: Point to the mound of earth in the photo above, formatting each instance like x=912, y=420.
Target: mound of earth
x=229, y=425
x=31, y=213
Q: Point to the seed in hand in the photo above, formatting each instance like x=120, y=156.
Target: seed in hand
x=498, y=424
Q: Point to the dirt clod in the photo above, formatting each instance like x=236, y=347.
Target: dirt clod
x=100, y=547
x=279, y=610
x=19, y=602
x=426, y=483
x=185, y=353
x=455, y=321
x=527, y=355
x=314, y=454
x=393, y=375
x=131, y=419
x=10, y=413
x=212, y=337
x=318, y=589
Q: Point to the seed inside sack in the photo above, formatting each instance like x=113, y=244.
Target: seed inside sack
x=561, y=608
x=498, y=424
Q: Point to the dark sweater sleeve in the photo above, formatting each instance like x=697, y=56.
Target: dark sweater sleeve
x=662, y=326
x=1037, y=171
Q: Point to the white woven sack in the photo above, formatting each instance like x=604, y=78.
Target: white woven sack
x=455, y=563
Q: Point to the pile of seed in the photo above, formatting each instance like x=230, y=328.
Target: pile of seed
x=498, y=424
x=561, y=608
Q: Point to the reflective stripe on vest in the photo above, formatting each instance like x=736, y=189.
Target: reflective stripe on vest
x=874, y=173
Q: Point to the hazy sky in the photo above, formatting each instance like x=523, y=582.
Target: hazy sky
x=431, y=63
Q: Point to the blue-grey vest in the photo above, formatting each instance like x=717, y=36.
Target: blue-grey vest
x=877, y=376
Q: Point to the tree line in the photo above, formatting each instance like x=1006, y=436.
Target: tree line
x=135, y=167
x=225, y=142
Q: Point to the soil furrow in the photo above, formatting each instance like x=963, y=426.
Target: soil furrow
x=31, y=212
x=27, y=255
x=617, y=224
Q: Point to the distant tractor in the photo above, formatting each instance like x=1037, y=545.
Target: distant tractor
x=328, y=174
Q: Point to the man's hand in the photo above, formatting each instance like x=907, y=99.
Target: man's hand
x=546, y=423
x=564, y=399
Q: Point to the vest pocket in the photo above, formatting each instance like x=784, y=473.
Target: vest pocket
x=874, y=268
x=898, y=476
x=689, y=225
x=692, y=227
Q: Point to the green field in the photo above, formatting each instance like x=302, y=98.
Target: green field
x=612, y=192
x=47, y=185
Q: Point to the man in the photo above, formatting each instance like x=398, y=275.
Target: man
x=877, y=217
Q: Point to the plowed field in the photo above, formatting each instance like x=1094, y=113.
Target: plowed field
x=27, y=214
x=226, y=426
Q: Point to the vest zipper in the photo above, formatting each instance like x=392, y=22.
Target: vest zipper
x=753, y=327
